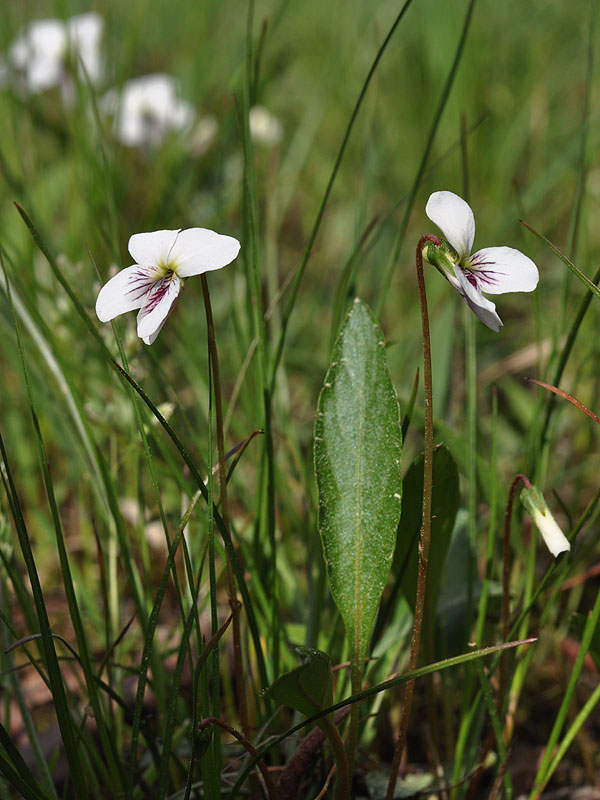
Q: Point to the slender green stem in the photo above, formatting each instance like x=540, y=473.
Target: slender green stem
x=506, y=576
x=424, y=537
x=343, y=773
x=233, y=600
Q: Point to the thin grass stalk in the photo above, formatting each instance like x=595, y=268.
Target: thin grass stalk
x=564, y=357
x=562, y=748
x=554, y=572
x=491, y=539
x=234, y=603
x=266, y=486
x=198, y=674
x=40, y=242
x=12, y=680
x=227, y=541
x=57, y=688
x=321, y=211
x=469, y=323
x=506, y=576
x=157, y=666
x=20, y=779
x=424, y=537
x=470, y=327
x=581, y=176
x=108, y=744
x=387, y=278
x=497, y=730
x=174, y=697
x=501, y=698
x=211, y=766
x=574, y=222
x=144, y=664
x=543, y=773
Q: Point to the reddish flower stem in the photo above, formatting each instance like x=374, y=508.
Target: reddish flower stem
x=408, y=689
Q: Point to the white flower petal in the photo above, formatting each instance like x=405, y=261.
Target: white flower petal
x=454, y=218
x=125, y=292
x=198, y=250
x=479, y=305
x=503, y=269
x=554, y=538
x=156, y=308
x=152, y=249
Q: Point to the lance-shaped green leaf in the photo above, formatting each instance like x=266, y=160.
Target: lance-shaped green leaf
x=358, y=444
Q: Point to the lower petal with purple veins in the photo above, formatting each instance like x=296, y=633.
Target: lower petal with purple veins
x=470, y=291
x=125, y=292
x=157, y=305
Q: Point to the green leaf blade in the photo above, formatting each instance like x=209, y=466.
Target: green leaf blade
x=307, y=688
x=358, y=444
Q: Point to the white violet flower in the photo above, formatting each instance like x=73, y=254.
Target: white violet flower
x=147, y=109
x=41, y=52
x=534, y=502
x=494, y=270
x=163, y=260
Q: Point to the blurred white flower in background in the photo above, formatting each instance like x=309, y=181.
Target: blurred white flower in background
x=265, y=128
x=203, y=135
x=494, y=270
x=153, y=284
x=147, y=109
x=46, y=52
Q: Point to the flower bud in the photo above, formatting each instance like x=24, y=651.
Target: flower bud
x=534, y=502
x=442, y=257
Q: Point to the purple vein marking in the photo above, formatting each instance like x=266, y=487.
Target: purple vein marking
x=159, y=291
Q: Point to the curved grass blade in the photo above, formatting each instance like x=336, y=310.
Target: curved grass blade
x=320, y=213
x=174, y=695
x=107, y=739
x=57, y=688
x=16, y=771
x=239, y=574
x=387, y=279
x=589, y=285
